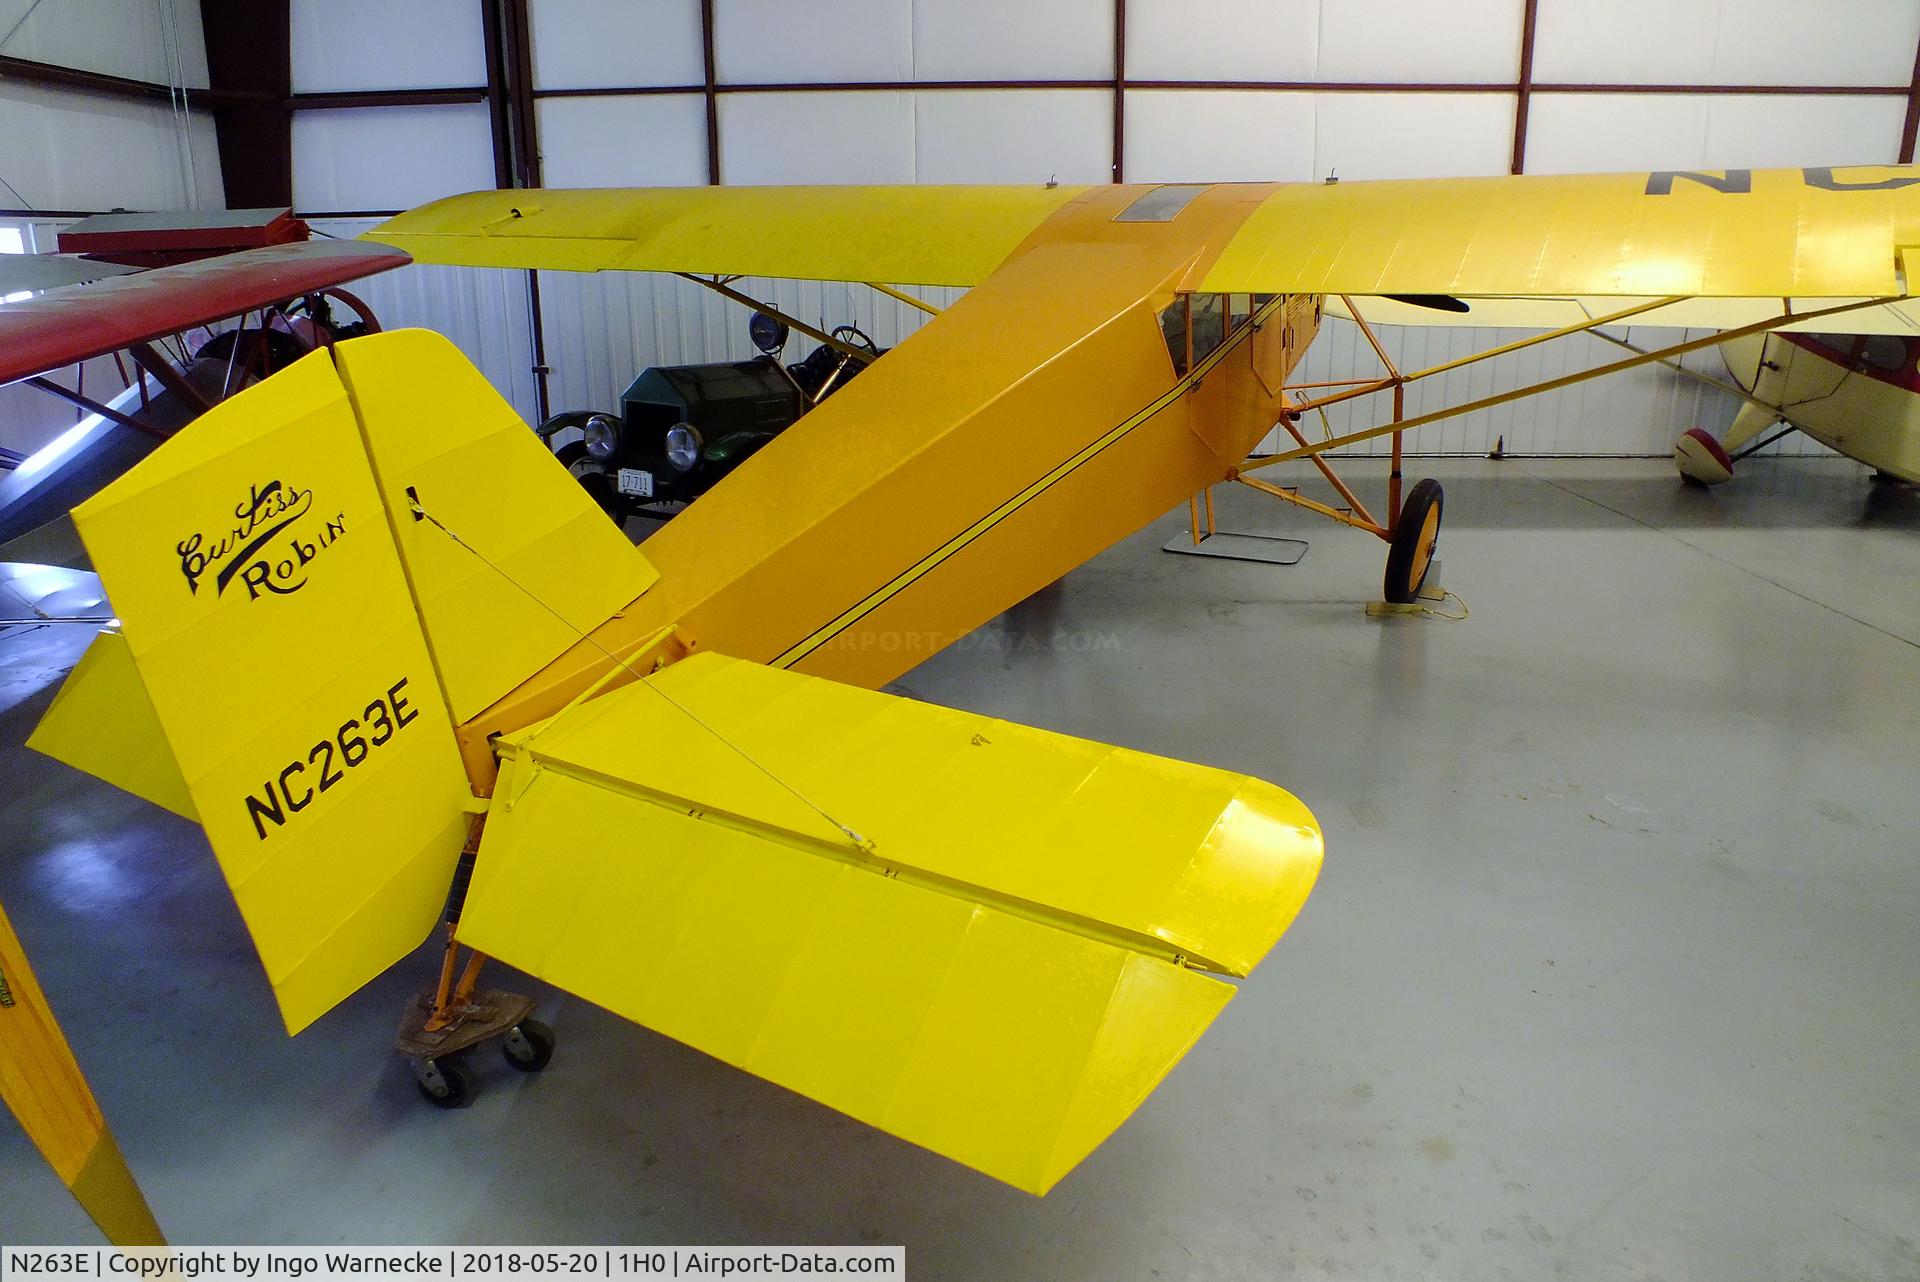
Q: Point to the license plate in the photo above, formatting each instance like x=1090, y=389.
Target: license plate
x=636, y=481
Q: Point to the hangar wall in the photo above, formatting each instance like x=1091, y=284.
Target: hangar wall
x=136, y=154
x=65, y=150
x=392, y=110
x=922, y=91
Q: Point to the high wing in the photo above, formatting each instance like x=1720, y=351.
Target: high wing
x=918, y=235
x=40, y=334
x=978, y=936
x=1743, y=234
x=1733, y=246
x=1814, y=233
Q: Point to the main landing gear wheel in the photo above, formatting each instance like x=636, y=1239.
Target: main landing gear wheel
x=1410, y=554
x=528, y=1046
x=443, y=1083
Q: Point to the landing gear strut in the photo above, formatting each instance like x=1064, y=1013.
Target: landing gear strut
x=445, y=1021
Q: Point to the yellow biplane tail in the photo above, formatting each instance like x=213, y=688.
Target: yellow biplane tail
x=302, y=651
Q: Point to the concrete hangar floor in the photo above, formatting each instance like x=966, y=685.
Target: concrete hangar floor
x=1612, y=970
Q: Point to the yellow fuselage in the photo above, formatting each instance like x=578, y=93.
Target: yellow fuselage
x=1063, y=403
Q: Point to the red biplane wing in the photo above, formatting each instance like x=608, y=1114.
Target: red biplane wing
x=44, y=333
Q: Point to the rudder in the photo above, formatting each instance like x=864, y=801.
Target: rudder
x=266, y=611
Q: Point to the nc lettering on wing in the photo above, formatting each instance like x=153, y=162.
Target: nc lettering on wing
x=266, y=548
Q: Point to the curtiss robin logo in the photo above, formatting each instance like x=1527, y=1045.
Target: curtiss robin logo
x=254, y=551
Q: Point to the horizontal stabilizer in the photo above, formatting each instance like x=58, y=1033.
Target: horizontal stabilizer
x=102, y=722
x=984, y=938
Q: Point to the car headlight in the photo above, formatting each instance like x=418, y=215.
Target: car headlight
x=602, y=435
x=683, y=447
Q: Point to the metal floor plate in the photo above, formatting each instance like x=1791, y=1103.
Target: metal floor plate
x=1240, y=547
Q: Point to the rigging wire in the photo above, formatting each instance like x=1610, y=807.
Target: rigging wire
x=860, y=843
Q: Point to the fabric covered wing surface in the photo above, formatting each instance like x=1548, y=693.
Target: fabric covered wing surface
x=994, y=976
x=1772, y=233
x=908, y=235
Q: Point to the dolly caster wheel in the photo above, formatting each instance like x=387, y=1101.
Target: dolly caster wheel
x=1415, y=536
x=528, y=1046
x=442, y=1084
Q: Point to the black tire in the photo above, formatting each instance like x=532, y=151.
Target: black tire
x=459, y=1086
x=539, y=1046
x=1410, y=554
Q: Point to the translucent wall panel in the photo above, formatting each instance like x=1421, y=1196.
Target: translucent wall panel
x=1187, y=135
x=1381, y=40
x=1222, y=39
x=599, y=44
x=368, y=44
x=816, y=137
x=62, y=149
x=1013, y=136
x=1747, y=42
x=1409, y=135
x=638, y=141
x=1012, y=39
x=368, y=158
x=1416, y=41
x=1579, y=133
x=780, y=42
x=1184, y=135
x=155, y=40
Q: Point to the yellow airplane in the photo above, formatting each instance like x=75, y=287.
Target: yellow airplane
x=378, y=642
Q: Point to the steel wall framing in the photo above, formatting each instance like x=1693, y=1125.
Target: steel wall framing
x=1523, y=89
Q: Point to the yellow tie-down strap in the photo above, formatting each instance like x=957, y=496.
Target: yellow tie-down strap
x=983, y=938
